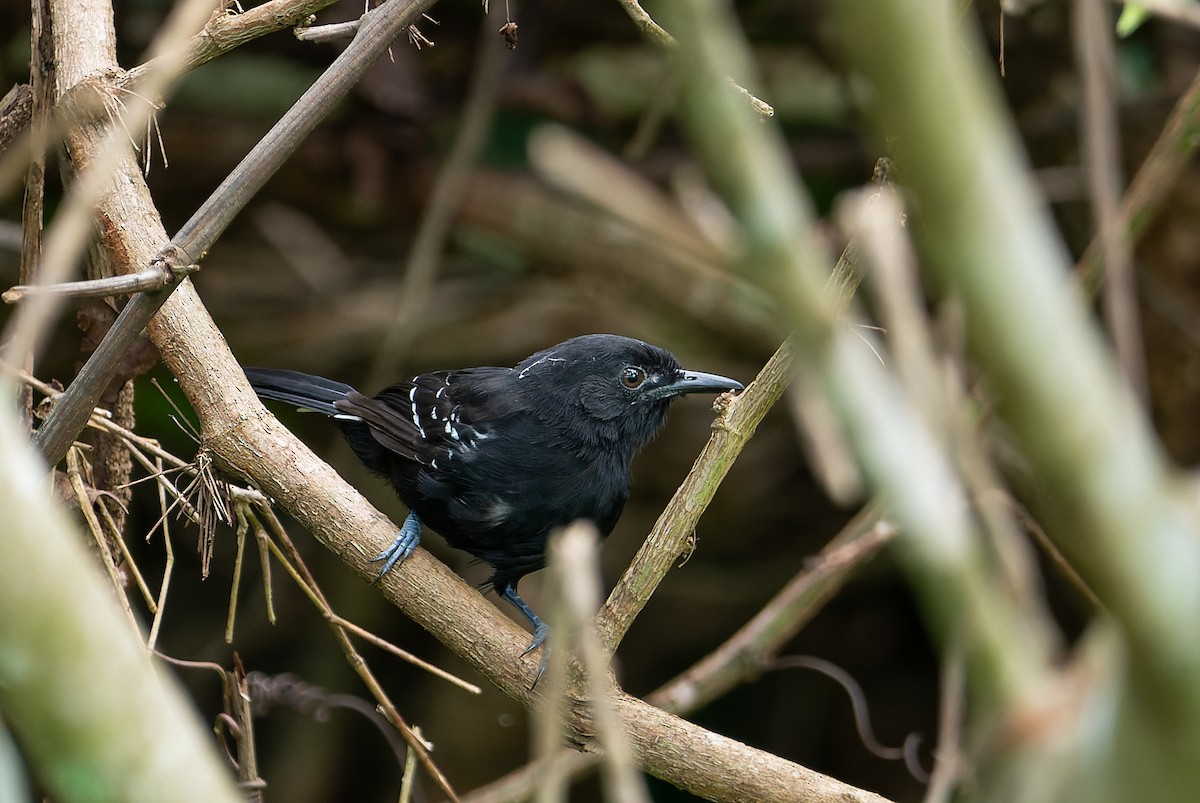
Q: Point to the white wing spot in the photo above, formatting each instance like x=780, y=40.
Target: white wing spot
x=416, y=416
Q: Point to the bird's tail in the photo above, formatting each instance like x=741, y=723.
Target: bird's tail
x=309, y=393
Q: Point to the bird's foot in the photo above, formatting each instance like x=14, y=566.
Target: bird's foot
x=540, y=630
x=404, y=545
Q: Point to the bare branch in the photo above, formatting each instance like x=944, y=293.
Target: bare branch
x=381, y=26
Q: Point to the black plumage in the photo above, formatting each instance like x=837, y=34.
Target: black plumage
x=493, y=459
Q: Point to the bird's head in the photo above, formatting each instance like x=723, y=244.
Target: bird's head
x=617, y=388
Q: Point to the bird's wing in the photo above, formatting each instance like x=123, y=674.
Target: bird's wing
x=429, y=416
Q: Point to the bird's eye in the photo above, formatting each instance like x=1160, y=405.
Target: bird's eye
x=632, y=377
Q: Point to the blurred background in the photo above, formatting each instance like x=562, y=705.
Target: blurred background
x=316, y=275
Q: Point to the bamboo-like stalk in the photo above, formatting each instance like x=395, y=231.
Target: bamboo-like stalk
x=1008, y=652
x=989, y=240
x=94, y=717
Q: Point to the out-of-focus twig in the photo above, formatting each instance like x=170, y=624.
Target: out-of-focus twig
x=1164, y=165
x=65, y=638
x=659, y=36
x=899, y=452
x=575, y=565
x=573, y=164
x=1090, y=448
x=739, y=658
x=948, y=757
x=41, y=76
x=569, y=233
x=445, y=202
x=1096, y=59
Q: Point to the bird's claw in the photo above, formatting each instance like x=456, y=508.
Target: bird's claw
x=539, y=640
x=405, y=544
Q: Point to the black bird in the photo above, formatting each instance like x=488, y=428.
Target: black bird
x=496, y=458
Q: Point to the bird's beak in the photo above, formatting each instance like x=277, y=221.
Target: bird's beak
x=693, y=382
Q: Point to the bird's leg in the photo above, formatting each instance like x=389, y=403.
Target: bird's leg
x=404, y=545
x=540, y=628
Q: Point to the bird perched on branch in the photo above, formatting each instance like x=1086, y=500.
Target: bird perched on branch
x=493, y=459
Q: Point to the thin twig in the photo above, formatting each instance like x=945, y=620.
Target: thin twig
x=1166, y=163
x=442, y=210
x=384, y=644
x=296, y=567
x=739, y=658
x=168, y=566
x=156, y=277
x=575, y=563
x=659, y=36
x=226, y=30
x=677, y=523
x=75, y=469
x=858, y=704
x=1095, y=55
x=127, y=558
x=239, y=558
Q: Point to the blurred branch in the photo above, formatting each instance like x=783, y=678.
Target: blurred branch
x=444, y=203
x=564, y=232
x=40, y=101
x=950, y=765
x=898, y=450
x=1093, y=453
x=94, y=717
x=659, y=36
x=1167, y=161
x=579, y=673
x=573, y=164
x=933, y=377
x=740, y=658
x=1095, y=56
x=380, y=28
